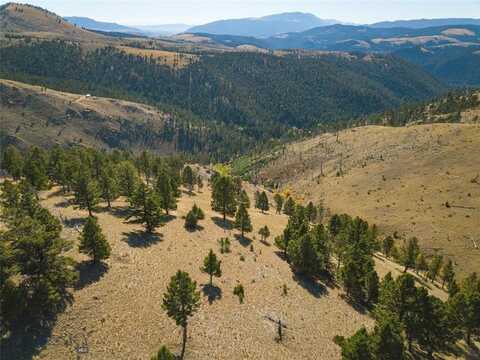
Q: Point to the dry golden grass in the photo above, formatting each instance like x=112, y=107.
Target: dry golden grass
x=170, y=58
x=119, y=310
x=38, y=116
x=397, y=178
x=34, y=22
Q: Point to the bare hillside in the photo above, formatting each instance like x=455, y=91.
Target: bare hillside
x=421, y=181
x=33, y=21
x=119, y=310
x=32, y=115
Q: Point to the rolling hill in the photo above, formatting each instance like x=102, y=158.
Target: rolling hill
x=264, y=26
x=28, y=20
x=425, y=23
x=419, y=180
x=449, y=52
x=92, y=24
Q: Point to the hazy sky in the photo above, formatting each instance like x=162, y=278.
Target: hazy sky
x=149, y=12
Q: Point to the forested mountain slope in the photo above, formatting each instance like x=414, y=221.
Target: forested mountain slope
x=260, y=96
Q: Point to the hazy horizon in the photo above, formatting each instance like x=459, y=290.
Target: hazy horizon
x=150, y=12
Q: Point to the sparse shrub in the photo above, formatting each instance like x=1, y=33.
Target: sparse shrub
x=224, y=245
x=239, y=291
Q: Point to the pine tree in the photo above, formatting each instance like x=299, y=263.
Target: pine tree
x=12, y=162
x=242, y=220
x=181, y=301
x=87, y=194
x=434, y=267
x=386, y=339
x=93, y=242
x=303, y=256
x=239, y=291
x=223, y=196
x=387, y=246
x=243, y=199
x=448, y=273
x=409, y=254
x=108, y=184
x=166, y=191
x=198, y=212
x=311, y=212
x=289, y=206
x=211, y=266
x=278, y=202
x=163, y=354
x=356, y=347
x=145, y=165
x=371, y=287
x=128, y=178
x=264, y=232
x=145, y=206
x=421, y=263
x=199, y=182
x=263, y=204
x=191, y=220
x=188, y=178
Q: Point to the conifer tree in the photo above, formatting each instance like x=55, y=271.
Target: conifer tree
x=166, y=192
x=145, y=165
x=243, y=199
x=191, y=221
x=289, y=206
x=264, y=232
x=421, y=263
x=263, y=204
x=311, y=212
x=211, y=266
x=128, y=178
x=448, y=273
x=87, y=194
x=434, y=267
x=239, y=291
x=145, y=206
x=188, y=178
x=278, y=202
x=409, y=254
x=303, y=256
x=12, y=162
x=356, y=347
x=93, y=242
x=199, y=182
x=223, y=196
x=198, y=212
x=108, y=184
x=386, y=339
x=163, y=354
x=181, y=301
x=387, y=246
x=242, y=220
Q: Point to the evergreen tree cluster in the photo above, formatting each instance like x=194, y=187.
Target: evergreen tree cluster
x=35, y=274
x=408, y=318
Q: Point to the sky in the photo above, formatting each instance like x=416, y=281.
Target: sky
x=154, y=12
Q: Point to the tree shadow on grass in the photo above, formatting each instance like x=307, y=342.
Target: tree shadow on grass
x=89, y=273
x=266, y=243
x=58, y=192
x=357, y=306
x=74, y=222
x=26, y=342
x=212, y=292
x=225, y=225
x=313, y=286
x=63, y=204
x=196, y=228
x=243, y=240
x=142, y=239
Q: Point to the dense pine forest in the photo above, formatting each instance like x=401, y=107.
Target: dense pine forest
x=236, y=99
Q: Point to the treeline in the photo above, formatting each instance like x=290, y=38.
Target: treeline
x=256, y=96
x=444, y=109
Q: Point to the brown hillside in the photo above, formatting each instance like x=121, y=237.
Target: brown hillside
x=421, y=181
x=32, y=115
x=36, y=22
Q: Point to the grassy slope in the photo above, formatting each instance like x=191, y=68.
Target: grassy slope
x=397, y=178
x=31, y=116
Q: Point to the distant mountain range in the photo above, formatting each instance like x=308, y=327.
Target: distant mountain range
x=264, y=26
x=451, y=53
x=148, y=30
x=425, y=23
